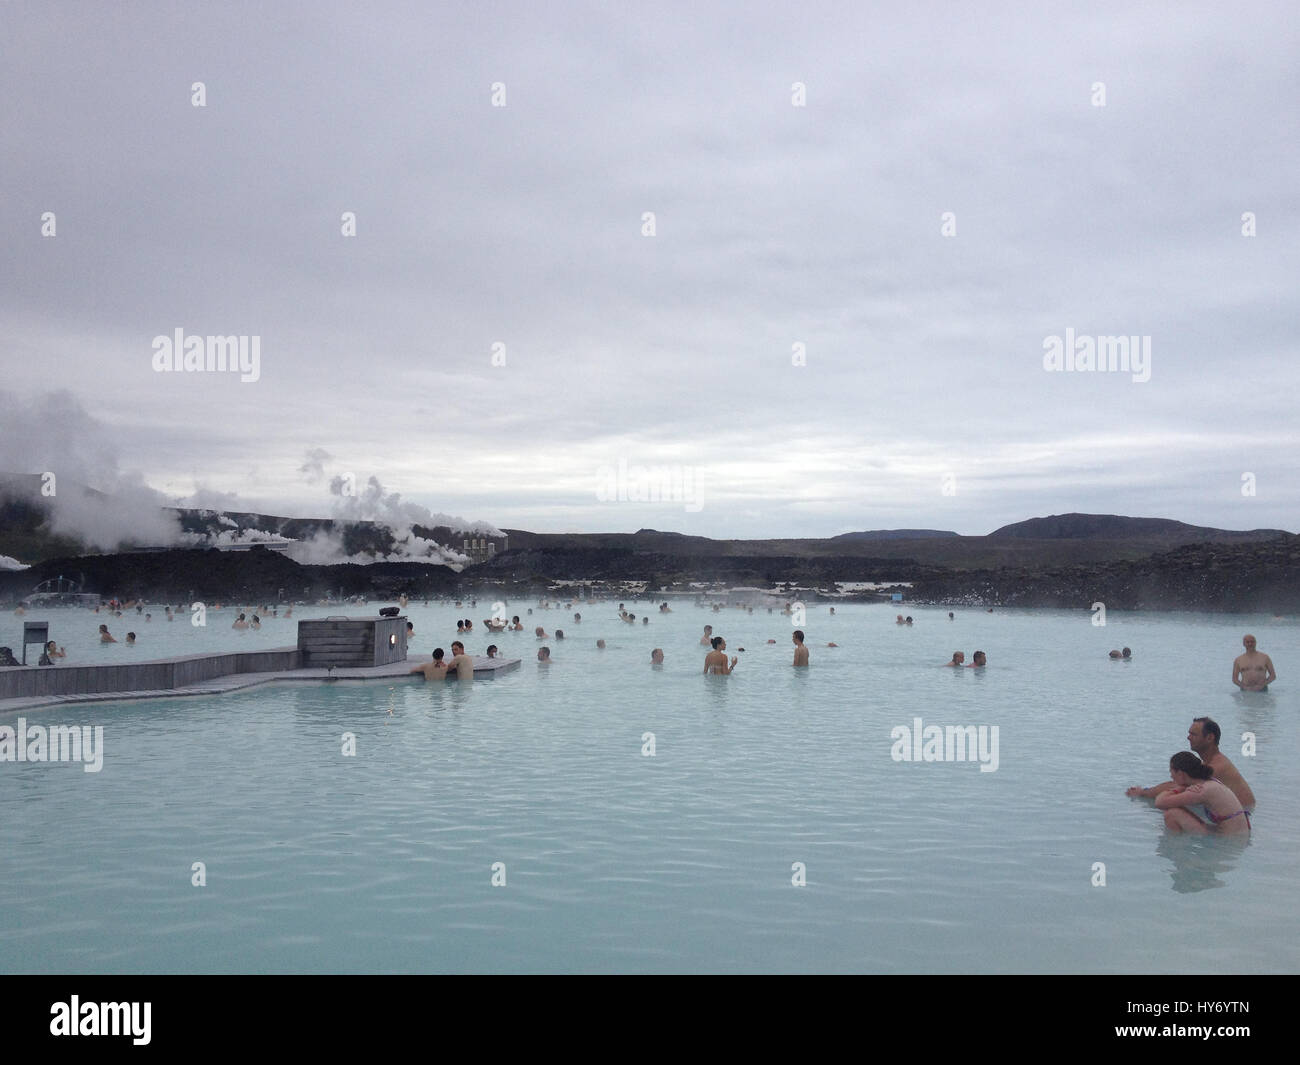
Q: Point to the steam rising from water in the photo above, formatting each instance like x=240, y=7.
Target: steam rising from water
x=54, y=433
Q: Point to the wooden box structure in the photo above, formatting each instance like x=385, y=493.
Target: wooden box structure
x=344, y=641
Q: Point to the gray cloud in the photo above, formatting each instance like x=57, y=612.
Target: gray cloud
x=776, y=225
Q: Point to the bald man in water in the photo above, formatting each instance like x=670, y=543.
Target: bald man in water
x=1254, y=668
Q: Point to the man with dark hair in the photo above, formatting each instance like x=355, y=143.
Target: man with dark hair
x=462, y=663
x=1203, y=738
x=435, y=670
x=800, y=651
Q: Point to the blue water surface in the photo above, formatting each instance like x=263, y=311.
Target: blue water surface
x=614, y=859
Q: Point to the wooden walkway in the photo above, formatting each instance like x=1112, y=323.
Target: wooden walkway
x=484, y=669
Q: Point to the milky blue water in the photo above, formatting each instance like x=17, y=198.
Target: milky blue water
x=615, y=860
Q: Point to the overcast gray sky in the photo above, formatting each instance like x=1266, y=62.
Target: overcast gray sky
x=775, y=225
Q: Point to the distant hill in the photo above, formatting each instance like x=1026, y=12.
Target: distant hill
x=896, y=534
x=1118, y=527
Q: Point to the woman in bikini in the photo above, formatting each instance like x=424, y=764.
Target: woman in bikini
x=1194, y=786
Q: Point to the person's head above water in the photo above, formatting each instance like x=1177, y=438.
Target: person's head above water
x=797, y=635
x=980, y=659
x=492, y=650
x=1204, y=735
x=438, y=652
x=457, y=648
x=657, y=656
x=1127, y=652
x=1188, y=763
x=1248, y=642
x=600, y=644
x=716, y=641
x=543, y=654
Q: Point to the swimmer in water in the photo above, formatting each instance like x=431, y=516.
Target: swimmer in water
x=543, y=656
x=899, y=620
x=105, y=636
x=256, y=622
x=1254, y=668
x=462, y=663
x=657, y=657
x=800, y=651
x=540, y=633
x=240, y=623
x=435, y=670
x=492, y=650
x=958, y=659
x=979, y=661
x=515, y=626
x=130, y=639
x=715, y=662
x=707, y=639
x=600, y=645
x=1203, y=738
x=1194, y=785
x=559, y=634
